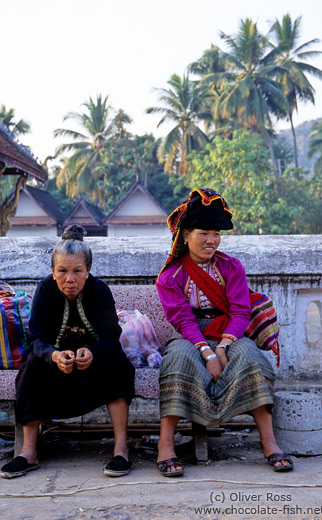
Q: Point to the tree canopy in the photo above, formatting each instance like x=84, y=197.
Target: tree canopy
x=261, y=202
x=223, y=112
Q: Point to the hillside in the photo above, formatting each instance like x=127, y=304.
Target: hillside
x=302, y=136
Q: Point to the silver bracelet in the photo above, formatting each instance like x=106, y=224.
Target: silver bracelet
x=210, y=357
x=204, y=347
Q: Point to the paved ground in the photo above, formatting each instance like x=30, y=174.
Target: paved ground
x=236, y=483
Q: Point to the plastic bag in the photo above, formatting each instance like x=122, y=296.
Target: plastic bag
x=138, y=339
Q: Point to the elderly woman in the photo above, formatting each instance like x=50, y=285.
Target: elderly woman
x=210, y=371
x=76, y=362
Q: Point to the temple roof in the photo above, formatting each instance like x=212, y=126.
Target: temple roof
x=55, y=215
x=18, y=156
x=147, y=211
x=48, y=203
x=85, y=213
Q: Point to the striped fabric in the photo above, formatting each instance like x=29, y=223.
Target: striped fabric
x=187, y=389
x=14, y=318
x=263, y=326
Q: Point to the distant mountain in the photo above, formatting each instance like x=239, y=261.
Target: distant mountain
x=302, y=138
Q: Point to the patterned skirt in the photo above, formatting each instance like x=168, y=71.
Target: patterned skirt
x=188, y=390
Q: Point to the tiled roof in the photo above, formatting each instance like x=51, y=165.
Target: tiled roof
x=133, y=219
x=95, y=213
x=48, y=203
x=14, y=154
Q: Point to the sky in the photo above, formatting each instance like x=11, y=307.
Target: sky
x=55, y=54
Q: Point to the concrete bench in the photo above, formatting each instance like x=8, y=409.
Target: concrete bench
x=146, y=300
x=288, y=268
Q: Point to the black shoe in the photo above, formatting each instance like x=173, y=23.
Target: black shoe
x=17, y=468
x=117, y=467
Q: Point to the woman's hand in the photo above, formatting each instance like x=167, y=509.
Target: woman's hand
x=65, y=360
x=83, y=359
x=221, y=355
x=214, y=368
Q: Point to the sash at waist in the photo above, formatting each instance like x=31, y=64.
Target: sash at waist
x=204, y=313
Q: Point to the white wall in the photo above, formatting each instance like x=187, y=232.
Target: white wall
x=133, y=230
x=27, y=207
x=139, y=204
x=308, y=321
x=39, y=231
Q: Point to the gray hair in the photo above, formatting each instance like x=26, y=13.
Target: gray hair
x=71, y=243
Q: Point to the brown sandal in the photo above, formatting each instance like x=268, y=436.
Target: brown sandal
x=163, y=466
x=274, y=458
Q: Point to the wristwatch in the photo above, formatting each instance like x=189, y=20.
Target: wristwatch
x=223, y=345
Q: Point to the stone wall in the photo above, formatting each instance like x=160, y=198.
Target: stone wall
x=288, y=268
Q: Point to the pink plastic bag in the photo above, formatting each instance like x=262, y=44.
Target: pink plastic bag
x=138, y=339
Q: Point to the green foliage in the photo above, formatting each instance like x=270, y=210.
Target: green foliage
x=261, y=202
x=239, y=169
x=124, y=159
x=183, y=104
x=283, y=151
x=242, y=81
x=295, y=203
x=168, y=190
x=315, y=147
x=81, y=172
x=7, y=117
x=258, y=77
x=302, y=138
x=60, y=196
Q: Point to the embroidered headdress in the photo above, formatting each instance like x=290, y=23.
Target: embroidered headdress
x=204, y=209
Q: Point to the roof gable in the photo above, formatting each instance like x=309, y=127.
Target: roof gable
x=85, y=213
x=137, y=204
x=48, y=203
x=29, y=207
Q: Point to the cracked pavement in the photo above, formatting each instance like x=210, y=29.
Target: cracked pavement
x=236, y=483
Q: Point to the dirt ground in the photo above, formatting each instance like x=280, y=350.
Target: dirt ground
x=236, y=482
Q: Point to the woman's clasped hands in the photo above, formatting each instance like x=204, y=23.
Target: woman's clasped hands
x=66, y=359
x=216, y=366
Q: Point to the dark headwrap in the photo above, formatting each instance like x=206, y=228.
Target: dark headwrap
x=204, y=209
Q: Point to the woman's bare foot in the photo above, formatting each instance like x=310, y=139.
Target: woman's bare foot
x=30, y=456
x=272, y=447
x=166, y=451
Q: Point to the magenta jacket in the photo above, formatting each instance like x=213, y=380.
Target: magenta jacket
x=171, y=288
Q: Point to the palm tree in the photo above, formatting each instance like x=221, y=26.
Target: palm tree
x=7, y=117
x=292, y=58
x=210, y=63
x=120, y=120
x=183, y=104
x=80, y=169
x=248, y=92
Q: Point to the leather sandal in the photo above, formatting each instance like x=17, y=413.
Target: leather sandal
x=17, y=468
x=274, y=458
x=164, y=465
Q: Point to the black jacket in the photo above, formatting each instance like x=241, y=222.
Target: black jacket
x=47, y=316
